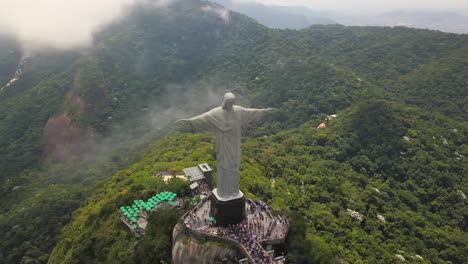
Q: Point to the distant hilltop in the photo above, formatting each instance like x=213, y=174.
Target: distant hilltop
x=294, y=17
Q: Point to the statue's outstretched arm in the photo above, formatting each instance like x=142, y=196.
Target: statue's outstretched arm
x=200, y=122
x=253, y=114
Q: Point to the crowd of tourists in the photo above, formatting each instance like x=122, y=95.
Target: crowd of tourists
x=249, y=239
x=204, y=188
x=259, y=225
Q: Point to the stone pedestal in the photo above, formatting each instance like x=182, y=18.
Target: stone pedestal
x=227, y=212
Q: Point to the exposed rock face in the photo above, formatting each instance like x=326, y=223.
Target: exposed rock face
x=400, y=257
x=189, y=250
x=355, y=215
x=381, y=218
x=62, y=139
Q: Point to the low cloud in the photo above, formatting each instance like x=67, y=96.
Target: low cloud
x=62, y=24
x=138, y=131
x=223, y=13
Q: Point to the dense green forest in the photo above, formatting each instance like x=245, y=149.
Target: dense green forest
x=397, y=148
x=360, y=162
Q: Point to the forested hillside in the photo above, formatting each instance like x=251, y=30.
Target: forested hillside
x=360, y=162
x=75, y=126
x=418, y=67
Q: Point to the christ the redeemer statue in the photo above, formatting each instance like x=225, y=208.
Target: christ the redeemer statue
x=227, y=121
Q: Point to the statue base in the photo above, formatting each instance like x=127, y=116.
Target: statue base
x=227, y=212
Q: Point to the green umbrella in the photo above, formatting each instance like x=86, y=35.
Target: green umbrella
x=211, y=219
x=134, y=226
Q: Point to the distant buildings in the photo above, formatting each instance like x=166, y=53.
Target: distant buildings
x=327, y=118
x=200, y=172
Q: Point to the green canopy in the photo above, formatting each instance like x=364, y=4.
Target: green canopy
x=211, y=219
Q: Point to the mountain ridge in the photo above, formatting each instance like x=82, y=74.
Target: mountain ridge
x=137, y=70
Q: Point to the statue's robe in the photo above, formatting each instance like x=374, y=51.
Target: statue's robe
x=227, y=125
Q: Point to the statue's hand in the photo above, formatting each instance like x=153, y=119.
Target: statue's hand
x=272, y=110
x=182, y=122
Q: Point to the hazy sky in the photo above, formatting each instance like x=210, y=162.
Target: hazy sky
x=369, y=4
x=70, y=23
x=59, y=23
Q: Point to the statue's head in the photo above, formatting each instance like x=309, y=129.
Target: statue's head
x=228, y=101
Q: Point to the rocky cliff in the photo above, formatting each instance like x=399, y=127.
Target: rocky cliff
x=188, y=249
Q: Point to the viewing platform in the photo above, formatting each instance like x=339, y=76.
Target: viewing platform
x=261, y=227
